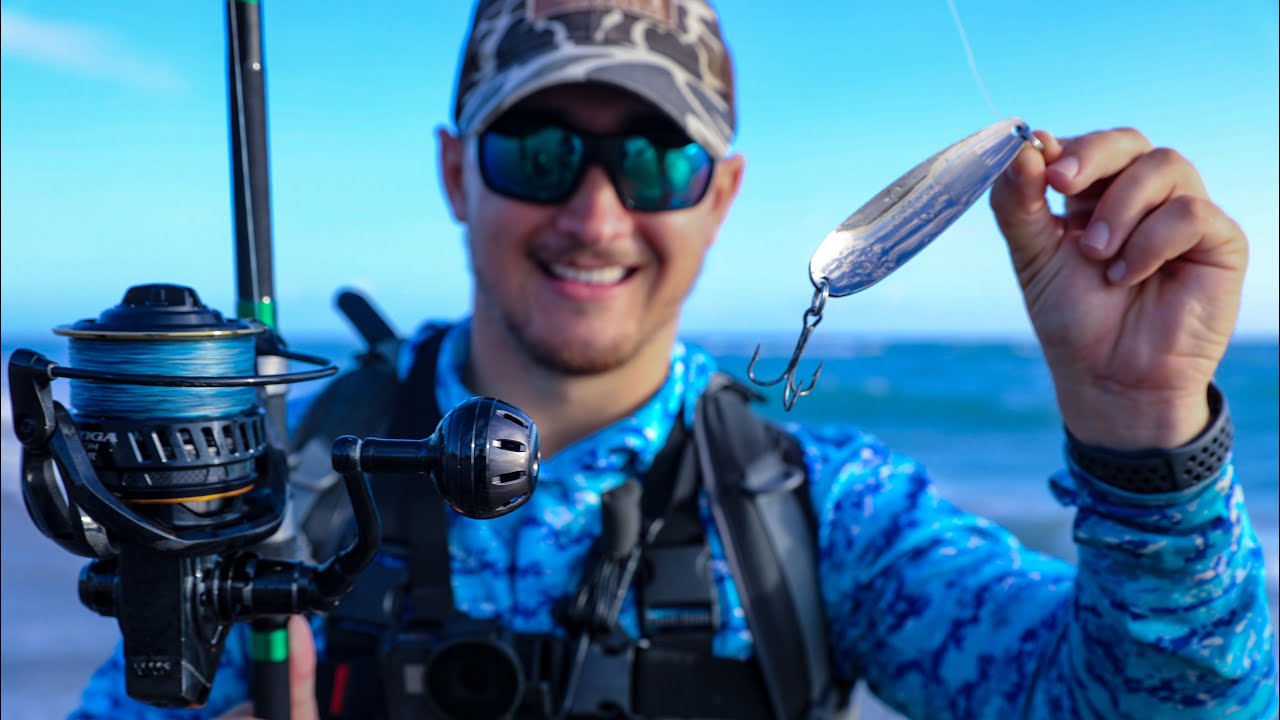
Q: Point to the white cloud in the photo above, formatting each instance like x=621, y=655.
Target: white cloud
x=81, y=50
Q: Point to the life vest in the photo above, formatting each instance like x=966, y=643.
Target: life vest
x=396, y=647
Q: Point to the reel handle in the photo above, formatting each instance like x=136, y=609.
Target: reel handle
x=483, y=457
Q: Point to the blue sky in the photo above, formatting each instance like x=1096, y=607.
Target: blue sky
x=114, y=160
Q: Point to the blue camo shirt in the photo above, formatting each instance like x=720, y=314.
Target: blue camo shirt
x=943, y=613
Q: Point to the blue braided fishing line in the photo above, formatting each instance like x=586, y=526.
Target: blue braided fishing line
x=231, y=356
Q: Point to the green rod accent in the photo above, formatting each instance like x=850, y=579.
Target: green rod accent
x=264, y=312
x=269, y=646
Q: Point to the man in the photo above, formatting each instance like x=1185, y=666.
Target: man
x=591, y=169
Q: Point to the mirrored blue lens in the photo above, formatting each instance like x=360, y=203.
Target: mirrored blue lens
x=541, y=166
x=652, y=177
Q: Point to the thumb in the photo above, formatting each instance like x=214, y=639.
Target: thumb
x=1021, y=208
x=302, y=670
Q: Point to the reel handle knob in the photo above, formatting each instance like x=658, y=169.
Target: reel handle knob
x=483, y=455
x=489, y=457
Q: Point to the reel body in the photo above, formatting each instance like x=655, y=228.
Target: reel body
x=169, y=477
x=164, y=474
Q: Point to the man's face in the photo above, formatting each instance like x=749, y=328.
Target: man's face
x=585, y=285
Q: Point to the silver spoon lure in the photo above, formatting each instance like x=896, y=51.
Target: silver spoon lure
x=886, y=232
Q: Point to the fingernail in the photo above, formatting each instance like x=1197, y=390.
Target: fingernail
x=1068, y=166
x=1116, y=272
x=1096, y=236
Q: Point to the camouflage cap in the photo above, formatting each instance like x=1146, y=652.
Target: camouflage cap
x=669, y=52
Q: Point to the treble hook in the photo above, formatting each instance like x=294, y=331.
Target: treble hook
x=793, y=391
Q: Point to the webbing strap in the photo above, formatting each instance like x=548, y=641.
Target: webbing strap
x=671, y=490
x=676, y=597
x=414, y=416
x=660, y=481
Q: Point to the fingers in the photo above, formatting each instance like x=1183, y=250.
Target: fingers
x=1130, y=206
x=243, y=711
x=1136, y=207
x=1185, y=225
x=1091, y=158
x=1152, y=180
x=302, y=670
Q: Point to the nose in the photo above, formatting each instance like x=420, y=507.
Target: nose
x=594, y=214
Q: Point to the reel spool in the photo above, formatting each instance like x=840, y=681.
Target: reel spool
x=188, y=454
x=167, y=414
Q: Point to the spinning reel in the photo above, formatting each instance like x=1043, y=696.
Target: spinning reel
x=166, y=473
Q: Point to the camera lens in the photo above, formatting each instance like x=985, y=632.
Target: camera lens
x=475, y=678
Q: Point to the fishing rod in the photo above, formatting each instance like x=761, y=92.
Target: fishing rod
x=255, y=300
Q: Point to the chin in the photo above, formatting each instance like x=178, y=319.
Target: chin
x=591, y=358
x=592, y=354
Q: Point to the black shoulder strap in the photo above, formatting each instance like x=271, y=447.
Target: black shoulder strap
x=415, y=413
x=761, y=505
x=670, y=490
x=424, y=529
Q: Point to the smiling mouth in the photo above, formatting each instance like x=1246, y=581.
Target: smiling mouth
x=600, y=276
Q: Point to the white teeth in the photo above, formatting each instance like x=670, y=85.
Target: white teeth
x=590, y=276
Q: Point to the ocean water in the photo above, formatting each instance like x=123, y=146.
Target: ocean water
x=979, y=415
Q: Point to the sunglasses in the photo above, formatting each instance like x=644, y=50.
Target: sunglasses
x=544, y=162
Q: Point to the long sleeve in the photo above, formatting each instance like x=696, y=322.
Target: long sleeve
x=946, y=615
x=1172, y=608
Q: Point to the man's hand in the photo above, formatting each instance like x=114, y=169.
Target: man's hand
x=1133, y=292
x=302, y=676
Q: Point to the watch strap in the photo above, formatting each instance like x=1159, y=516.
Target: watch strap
x=1159, y=470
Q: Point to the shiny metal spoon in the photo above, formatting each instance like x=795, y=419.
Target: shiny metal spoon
x=896, y=224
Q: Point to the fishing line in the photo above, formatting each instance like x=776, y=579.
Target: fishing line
x=973, y=64
x=229, y=356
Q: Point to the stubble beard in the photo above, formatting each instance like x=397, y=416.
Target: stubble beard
x=568, y=357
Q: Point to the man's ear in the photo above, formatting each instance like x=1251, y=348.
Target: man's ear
x=452, y=156
x=724, y=187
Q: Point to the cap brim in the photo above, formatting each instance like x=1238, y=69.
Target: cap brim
x=703, y=114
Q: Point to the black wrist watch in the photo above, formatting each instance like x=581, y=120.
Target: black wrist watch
x=1157, y=470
